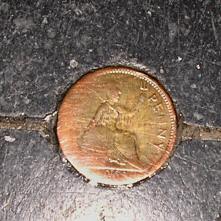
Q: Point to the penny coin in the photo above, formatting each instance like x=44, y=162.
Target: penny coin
x=117, y=126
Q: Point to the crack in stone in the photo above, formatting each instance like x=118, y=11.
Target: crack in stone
x=200, y=132
x=46, y=126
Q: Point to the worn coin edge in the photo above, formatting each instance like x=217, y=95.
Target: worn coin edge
x=144, y=75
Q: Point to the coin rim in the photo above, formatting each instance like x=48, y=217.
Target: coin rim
x=144, y=75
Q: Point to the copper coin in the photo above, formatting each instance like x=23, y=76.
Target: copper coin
x=117, y=126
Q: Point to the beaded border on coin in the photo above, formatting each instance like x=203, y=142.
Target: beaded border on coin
x=144, y=75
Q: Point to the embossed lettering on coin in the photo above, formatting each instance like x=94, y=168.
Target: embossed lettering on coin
x=117, y=126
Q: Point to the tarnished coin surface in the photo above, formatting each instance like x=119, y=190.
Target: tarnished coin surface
x=117, y=126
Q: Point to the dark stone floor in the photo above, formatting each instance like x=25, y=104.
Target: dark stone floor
x=36, y=185
x=46, y=45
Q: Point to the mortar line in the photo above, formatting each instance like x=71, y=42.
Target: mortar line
x=200, y=132
x=43, y=125
x=46, y=125
x=22, y=123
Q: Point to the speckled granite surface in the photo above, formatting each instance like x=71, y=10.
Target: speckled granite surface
x=180, y=40
x=45, y=46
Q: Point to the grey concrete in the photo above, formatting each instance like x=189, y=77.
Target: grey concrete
x=47, y=45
